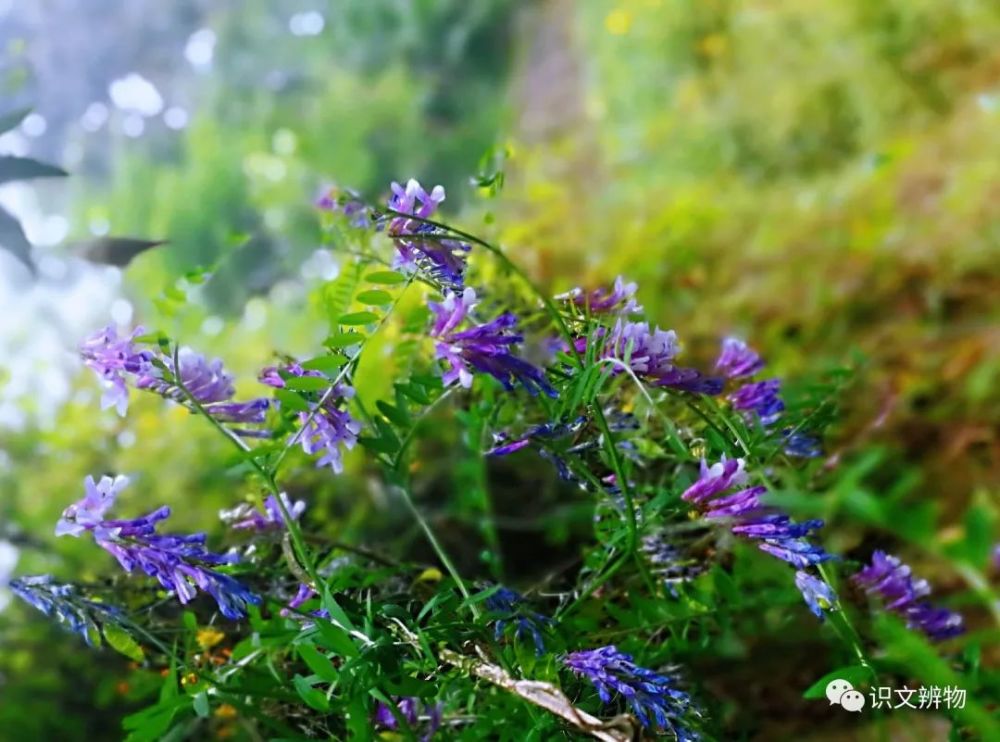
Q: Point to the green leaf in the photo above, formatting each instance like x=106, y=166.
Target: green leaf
x=379, y=445
x=24, y=168
x=358, y=318
x=395, y=414
x=306, y=383
x=336, y=639
x=388, y=278
x=375, y=298
x=854, y=674
x=9, y=120
x=200, y=703
x=328, y=365
x=14, y=241
x=318, y=662
x=119, y=251
x=291, y=401
x=344, y=339
x=313, y=698
x=122, y=642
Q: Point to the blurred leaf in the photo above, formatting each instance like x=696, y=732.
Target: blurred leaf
x=117, y=251
x=358, y=318
x=390, y=278
x=10, y=120
x=122, y=642
x=375, y=298
x=24, y=168
x=12, y=240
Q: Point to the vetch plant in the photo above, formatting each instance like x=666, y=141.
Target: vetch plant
x=664, y=475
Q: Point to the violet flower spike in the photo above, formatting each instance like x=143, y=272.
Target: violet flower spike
x=893, y=582
x=181, y=564
x=738, y=360
x=411, y=709
x=330, y=429
x=819, y=596
x=420, y=245
x=650, y=354
x=748, y=518
x=511, y=605
x=113, y=359
x=247, y=517
x=760, y=398
x=80, y=615
x=620, y=298
x=486, y=348
x=652, y=697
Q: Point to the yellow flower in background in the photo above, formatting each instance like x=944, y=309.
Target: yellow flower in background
x=209, y=637
x=618, y=22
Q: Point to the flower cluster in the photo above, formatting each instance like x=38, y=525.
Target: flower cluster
x=760, y=400
x=670, y=560
x=413, y=711
x=619, y=299
x=328, y=427
x=775, y=532
x=196, y=380
x=247, y=517
x=649, y=353
x=181, y=564
x=420, y=245
x=894, y=583
x=651, y=696
x=115, y=359
x=511, y=606
x=485, y=348
x=80, y=615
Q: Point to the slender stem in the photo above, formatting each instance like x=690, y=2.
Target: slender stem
x=438, y=548
x=404, y=490
x=294, y=530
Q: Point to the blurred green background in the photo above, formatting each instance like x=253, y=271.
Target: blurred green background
x=819, y=177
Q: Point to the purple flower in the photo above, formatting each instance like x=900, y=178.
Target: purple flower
x=80, y=615
x=414, y=200
x=760, y=398
x=328, y=428
x=247, y=517
x=89, y=512
x=347, y=202
x=545, y=431
x=113, y=359
x=738, y=359
x=801, y=445
x=117, y=361
x=715, y=479
x=670, y=561
x=818, y=595
x=776, y=533
x=420, y=245
x=652, y=697
x=511, y=605
x=485, y=348
x=620, y=298
x=894, y=583
x=650, y=353
x=412, y=709
x=181, y=564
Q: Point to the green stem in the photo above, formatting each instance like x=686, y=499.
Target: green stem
x=302, y=551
